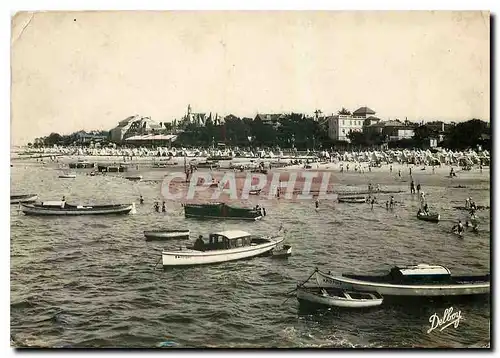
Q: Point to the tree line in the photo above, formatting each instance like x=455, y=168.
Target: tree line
x=295, y=130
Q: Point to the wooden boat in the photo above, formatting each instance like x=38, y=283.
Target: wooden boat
x=432, y=217
x=67, y=176
x=221, y=247
x=134, y=177
x=283, y=251
x=222, y=211
x=355, y=200
x=61, y=208
x=23, y=198
x=166, y=234
x=419, y=281
x=335, y=297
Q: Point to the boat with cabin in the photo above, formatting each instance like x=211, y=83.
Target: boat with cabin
x=81, y=165
x=335, y=297
x=222, y=211
x=220, y=247
x=121, y=168
x=166, y=234
x=23, y=198
x=52, y=208
x=417, y=281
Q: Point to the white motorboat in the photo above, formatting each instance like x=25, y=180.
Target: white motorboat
x=166, y=234
x=334, y=297
x=221, y=247
x=421, y=280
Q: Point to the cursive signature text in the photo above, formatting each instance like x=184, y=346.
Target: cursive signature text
x=449, y=318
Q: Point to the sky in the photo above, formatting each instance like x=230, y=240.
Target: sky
x=89, y=70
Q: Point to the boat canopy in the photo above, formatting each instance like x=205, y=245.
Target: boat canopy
x=423, y=269
x=52, y=203
x=232, y=234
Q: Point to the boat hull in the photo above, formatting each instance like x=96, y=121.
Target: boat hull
x=305, y=295
x=386, y=289
x=352, y=201
x=39, y=211
x=166, y=235
x=69, y=176
x=16, y=199
x=221, y=211
x=433, y=218
x=192, y=257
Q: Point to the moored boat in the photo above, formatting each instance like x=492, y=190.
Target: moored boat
x=335, y=297
x=134, y=177
x=431, y=217
x=61, y=208
x=355, y=200
x=417, y=281
x=222, y=211
x=166, y=234
x=23, y=198
x=221, y=247
x=67, y=176
x=81, y=165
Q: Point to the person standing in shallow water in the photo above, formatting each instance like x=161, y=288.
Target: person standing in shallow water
x=412, y=187
x=141, y=200
x=317, y=204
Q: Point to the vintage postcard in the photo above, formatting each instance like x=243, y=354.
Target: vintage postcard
x=250, y=179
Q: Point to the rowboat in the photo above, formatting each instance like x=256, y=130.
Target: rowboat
x=221, y=247
x=418, y=281
x=23, y=198
x=61, y=208
x=166, y=234
x=67, y=176
x=283, y=251
x=432, y=217
x=334, y=297
x=134, y=177
x=352, y=200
